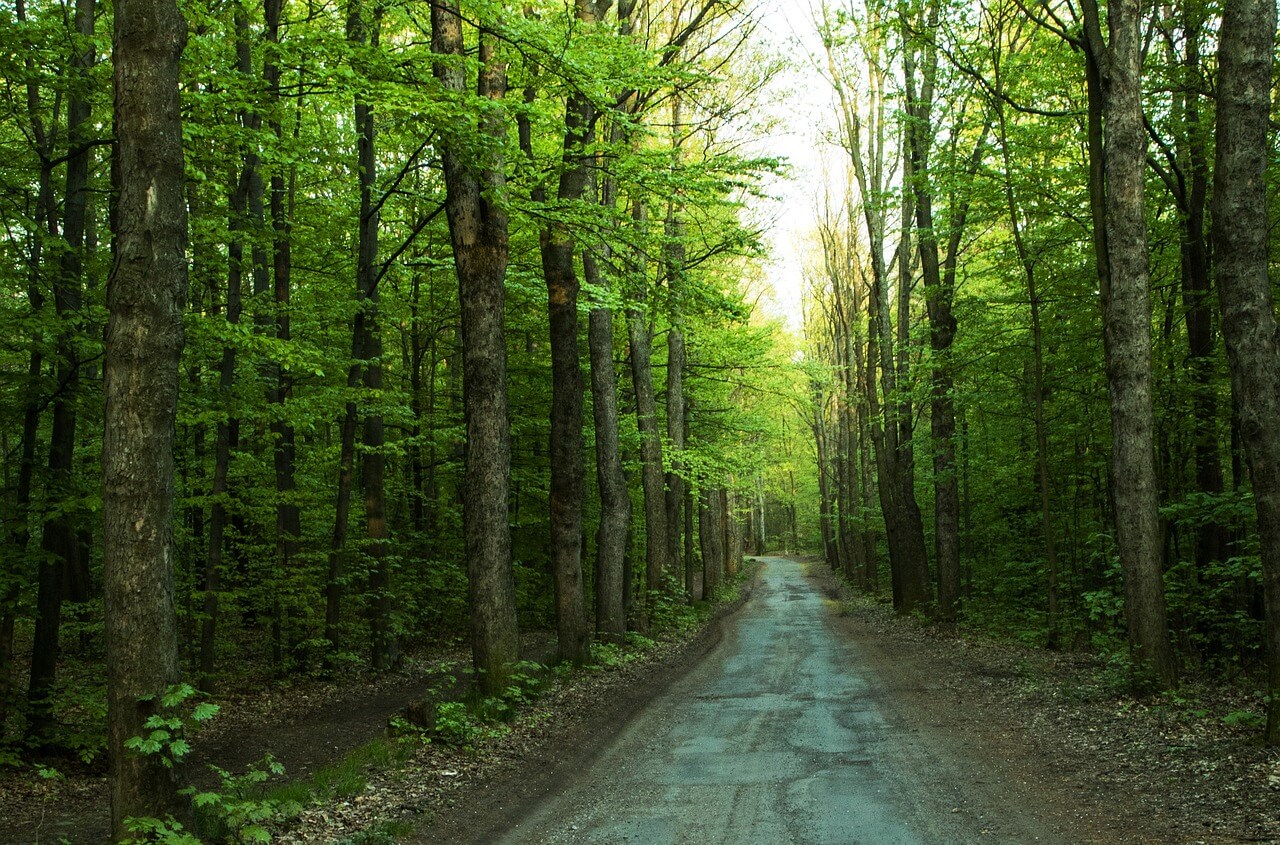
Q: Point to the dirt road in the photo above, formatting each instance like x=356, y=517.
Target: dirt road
x=780, y=736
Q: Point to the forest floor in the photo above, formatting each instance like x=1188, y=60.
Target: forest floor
x=984, y=741
x=305, y=725
x=331, y=739
x=1113, y=768
x=1047, y=731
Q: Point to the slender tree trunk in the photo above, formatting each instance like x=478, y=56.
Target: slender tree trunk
x=334, y=580
x=687, y=507
x=1040, y=391
x=417, y=474
x=861, y=429
x=826, y=507
x=478, y=228
x=914, y=563
x=242, y=218
x=382, y=646
x=854, y=532
x=657, y=546
x=227, y=434
x=45, y=219
x=674, y=261
x=567, y=448
x=615, y=501
x=727, y=566
x=908, y=558
x=62, y=564
x=1126, y=300
x=1240, y=238
x=1211, y=536
x=284, y=457
x=939, y=294
x=709, y=537
x=20, y=537
x=145, y=298
x=675, y=484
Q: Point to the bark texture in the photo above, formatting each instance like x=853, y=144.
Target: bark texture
x=1126, y=303
x=1245, y=57
x=478, y=229
x=146, y=294
x=939, y=296
x=657, y=543
x=567, y=448
x=615, y=500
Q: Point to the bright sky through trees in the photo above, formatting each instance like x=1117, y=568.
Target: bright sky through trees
x=800, y=100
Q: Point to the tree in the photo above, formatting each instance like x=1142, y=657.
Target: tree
x=478, y=229
x=1115, y=73
x=567, y=450
x=146, y=293
x=64, y=564
x=1245, y=57
x=864, y=138
x=615, y=501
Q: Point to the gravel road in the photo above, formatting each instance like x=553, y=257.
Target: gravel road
x=780, y=736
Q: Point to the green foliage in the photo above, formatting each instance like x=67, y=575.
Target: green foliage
x=669, y=611
x=1244, y=719
x=237, y=813
x=166, y=730
x=610, y=655
x=383, y=833
x=463, y=725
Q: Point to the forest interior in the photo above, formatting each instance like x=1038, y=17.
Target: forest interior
x=396, y=386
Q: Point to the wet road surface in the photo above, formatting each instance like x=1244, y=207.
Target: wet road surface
x=779, y=736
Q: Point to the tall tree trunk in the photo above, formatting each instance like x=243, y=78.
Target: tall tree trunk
x=939, y=295
x=675, y=436
x=657, y=543
x=478, y=229
x=687, y=508
x=848, y=547
x=860, y=429
x=1040, y=391
x=45, y=220
x=904, y=528
x=382, y=646
x=227, y=435
x=673, y=255
x=145, y=298
x=1240, y=239
x=1126, y=302
x=342, y=502
x=567, y=449
x=62, y=563
x=284, y=453
x=1211, y=536
x=727, y=567
x=826, y=505
x=615, y=501
x=709, y=540
x=913, y=579
x=20, y=536
x=417, y=472
x=366, y=249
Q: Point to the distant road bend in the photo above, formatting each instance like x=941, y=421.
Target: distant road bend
x=779, y=736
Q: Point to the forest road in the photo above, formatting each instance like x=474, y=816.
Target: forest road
x=778, y=736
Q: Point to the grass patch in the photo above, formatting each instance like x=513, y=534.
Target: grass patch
x=384, y=833
x=346, y=778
